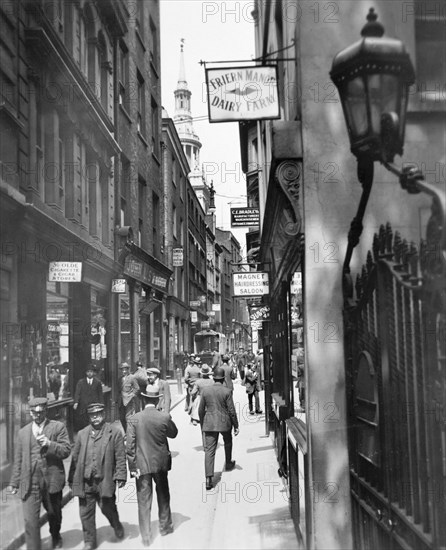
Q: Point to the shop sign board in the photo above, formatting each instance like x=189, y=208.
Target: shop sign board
x=256, y=325
x=65, y=272
x=245, y=217
x=193, y=316
x=118, y=286
x=242, y=93
x=216, y=307
x=194, y=303
x=253, y=283
x=144, y=273
x=210, y=313
x=205, y=324
x=177, y=257
x=259, y=314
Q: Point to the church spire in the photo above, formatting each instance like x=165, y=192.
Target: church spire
x=182, y=82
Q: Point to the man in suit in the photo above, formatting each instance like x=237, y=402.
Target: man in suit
x=217, y=415
x=155, y=381
x=191, y=374
x=149, y=460
x=98, y=464
x=229, y=372
x=128, y=396
x=88, y=391
x=39, y=473
x=140, y=376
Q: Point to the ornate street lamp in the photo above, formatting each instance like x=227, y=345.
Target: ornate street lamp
x=373, y=77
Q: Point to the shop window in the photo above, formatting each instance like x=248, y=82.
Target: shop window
x=58, y=360
x=125, y=339
x=297, y=343
x=124, y=76
x=98, y=334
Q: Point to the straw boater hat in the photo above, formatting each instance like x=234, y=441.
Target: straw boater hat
x=196, y=360
x=151, y=392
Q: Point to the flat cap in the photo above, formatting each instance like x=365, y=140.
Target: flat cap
x=153, y=370
x=124, y=366
x=38, y=402
x=95, y=408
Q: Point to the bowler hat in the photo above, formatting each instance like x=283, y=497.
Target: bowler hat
x=219, y=373
x=91, y=367
x=124, y=366
x=38, y=403
x=205, y=368
x=95, y=408
x=151, y=392
x=153, y=370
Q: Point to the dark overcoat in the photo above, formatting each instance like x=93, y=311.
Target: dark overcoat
x=110, y=463
x=53, y=455
x=216, y=410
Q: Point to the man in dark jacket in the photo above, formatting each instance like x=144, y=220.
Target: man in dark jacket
x=98, y=464
x=149, y=460
x=39, y=472
x=217, y=415
x=88, y=391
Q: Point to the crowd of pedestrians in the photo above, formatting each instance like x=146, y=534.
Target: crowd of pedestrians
x=103, y=451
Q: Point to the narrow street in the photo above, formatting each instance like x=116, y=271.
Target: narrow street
x=248, y=507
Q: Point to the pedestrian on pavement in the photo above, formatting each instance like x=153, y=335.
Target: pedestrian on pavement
x=216, y=358
x=191, y=374
x=149, y=460
x=204, y=380
x=217, y=415
x=260, y=367
x=229, y=372
x=39, y=474
x=98, y=464
x=128, y=396
x=88, y=391
x=140, y=376
x=252, y=385
x=154, y=380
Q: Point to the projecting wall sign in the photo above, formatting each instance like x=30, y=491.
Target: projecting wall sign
x=242, y=93
x=244, y=217
x=254, y=283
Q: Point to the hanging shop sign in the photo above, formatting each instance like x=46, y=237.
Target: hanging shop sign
x=216, y=307
x=250, y=284
x=193, y=316
x=205, y=324
x=242, y=93
x=65, y=272
x=144, y=273
x=194, y=303
x=118, y=286
x=177, y=257
x=245, y=217
x=259, y=314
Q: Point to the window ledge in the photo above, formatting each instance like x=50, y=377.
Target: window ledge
x=143, y=139
x=141, y=41
x=125, y=113
x=156, y=159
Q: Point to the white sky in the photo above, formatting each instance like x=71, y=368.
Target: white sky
x=213, y=31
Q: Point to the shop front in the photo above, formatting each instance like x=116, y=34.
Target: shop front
x=142, y=309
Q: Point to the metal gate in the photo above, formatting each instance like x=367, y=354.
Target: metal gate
x=396, y=387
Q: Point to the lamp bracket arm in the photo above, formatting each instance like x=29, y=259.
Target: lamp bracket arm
x=412, y=180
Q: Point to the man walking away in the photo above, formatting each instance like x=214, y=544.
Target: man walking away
x=39, y=472
x=98, y=463
x=149, y=460
x=217, y=415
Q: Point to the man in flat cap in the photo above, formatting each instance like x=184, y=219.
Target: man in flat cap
x=88, y=390
x=154, y=380
x=38, y=473
x=149, y=460
x=98, y=464
x=217, y=415
x=128, y=395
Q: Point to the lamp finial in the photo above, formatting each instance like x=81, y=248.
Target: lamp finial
x=372, y=27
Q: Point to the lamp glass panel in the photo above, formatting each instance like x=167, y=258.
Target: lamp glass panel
x=402, y=111
x=355, y=107
x=384, y=94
